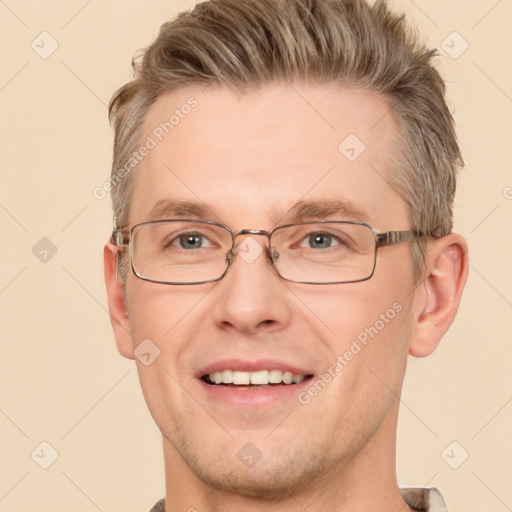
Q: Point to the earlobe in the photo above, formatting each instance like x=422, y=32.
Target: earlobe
x=438, y=297
x=116, y=303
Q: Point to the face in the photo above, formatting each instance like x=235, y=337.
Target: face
x=248, y=161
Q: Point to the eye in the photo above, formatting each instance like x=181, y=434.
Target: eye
x=190, y=241
x=320, y=241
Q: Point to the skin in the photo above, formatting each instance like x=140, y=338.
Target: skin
x=250, y=158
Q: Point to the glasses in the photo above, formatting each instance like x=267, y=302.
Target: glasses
x=182, y=251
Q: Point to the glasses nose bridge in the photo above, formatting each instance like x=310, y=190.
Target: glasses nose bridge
x=240, y=232
x=251, y=232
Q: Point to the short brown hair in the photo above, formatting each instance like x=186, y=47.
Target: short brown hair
x=247, y=44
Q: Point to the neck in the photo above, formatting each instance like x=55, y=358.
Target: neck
x=365, y=481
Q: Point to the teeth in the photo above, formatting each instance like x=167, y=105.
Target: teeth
x=241, y=378
x=275, y=376
x=227, y=376
x=261, y=377
x=288, y=377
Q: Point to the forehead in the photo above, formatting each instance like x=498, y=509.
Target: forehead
x=251, y=157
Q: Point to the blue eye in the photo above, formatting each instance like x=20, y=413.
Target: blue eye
x=320, y=241
x=190, y=241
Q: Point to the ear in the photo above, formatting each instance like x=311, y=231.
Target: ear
x=438, y=296
x=116, y=303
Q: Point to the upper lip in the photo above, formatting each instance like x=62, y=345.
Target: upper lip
x=254, y=365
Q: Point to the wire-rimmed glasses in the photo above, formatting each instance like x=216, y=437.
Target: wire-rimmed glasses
x=189, y=251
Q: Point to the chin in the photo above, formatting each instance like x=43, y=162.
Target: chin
x=271, y=478
x=266, y=483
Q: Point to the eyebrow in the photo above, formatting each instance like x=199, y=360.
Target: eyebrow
x=314, y=210
x=165, y=209
x=299, y=212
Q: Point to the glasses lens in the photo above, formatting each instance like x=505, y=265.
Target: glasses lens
x=180, y=251
x=324, y=252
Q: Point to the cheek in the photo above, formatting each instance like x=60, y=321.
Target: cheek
x=378, y=355
x=366, y=330
x=374, y=359
x=160, y=319
x=356, y=310
x=160, y=312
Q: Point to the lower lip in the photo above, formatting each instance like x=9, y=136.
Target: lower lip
x=251, y=397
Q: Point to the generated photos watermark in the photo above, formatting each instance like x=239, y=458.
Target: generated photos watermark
x=157, y=135
x=356, y=346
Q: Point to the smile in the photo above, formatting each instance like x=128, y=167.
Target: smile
x=251, y=379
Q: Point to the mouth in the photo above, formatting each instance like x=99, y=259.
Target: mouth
x=252, y=383
x=259, y=379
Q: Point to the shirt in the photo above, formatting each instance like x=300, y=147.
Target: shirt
x=426, y=500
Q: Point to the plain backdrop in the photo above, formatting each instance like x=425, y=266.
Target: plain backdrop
x=62, y=381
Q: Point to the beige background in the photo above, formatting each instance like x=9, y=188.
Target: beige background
x=61, y=378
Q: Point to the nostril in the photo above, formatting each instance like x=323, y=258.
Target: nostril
x=268, y=323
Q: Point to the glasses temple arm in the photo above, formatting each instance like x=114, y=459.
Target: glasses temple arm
x=397, y=237
x=120, y=237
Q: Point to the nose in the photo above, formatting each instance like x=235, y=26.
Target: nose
x=252, y=298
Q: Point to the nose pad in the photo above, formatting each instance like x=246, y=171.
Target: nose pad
x=271, y=254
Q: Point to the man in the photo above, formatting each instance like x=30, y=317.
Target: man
x=283, y=181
